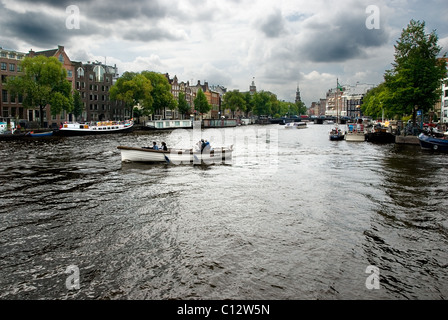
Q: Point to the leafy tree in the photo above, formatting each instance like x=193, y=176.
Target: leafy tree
x=275, y=106
x=161, y=93
x=78, y=106
x=377, y=101
x=133, y=88
x=414, y=80
x=43, y=82
x=249, y=102
x=300, y=107
x=262, y=103
x=182, y=104
x=234, y=100
x=200, y=102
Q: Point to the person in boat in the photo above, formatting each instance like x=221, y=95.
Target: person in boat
x=164, y=147
x=205, y=146
x=155, y=146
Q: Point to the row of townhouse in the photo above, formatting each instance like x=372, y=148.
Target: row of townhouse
x=213, y=94
x=93, y=80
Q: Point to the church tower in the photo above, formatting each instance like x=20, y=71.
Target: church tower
x=252, y=87
x=298, y=98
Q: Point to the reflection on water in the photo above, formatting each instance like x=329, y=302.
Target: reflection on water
x=296, y=216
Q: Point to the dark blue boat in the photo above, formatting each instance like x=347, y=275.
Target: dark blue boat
x=428, y=142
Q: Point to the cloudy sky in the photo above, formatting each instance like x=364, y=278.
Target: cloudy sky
x=282, y=43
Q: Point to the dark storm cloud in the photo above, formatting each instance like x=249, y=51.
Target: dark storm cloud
x=344, y=37
x=37, y=28
x=273, y=25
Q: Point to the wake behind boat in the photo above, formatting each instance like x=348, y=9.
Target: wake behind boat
x=100, y=127
x=176, y=156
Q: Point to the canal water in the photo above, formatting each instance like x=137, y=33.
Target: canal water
x=293, y=216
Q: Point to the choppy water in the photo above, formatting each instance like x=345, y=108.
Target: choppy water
x=301, y=221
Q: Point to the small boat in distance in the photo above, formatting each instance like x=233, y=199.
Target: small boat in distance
x=295, y=125
x=336, y=134
x=100, y=127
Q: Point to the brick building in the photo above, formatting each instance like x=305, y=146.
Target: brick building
x=10, y=107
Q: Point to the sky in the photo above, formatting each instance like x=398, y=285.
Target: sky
x=281, y=45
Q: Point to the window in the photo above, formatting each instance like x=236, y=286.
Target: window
x=61, y=58
x=12, y=55
x=4, y=96
x=12, y=67
x=99, y=73
x=3, y=65
x=69, y=73
x=80, y=72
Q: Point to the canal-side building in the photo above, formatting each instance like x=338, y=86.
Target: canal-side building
x=11, y=106
x=352, y=99
x=93, y=81
x=443, y=101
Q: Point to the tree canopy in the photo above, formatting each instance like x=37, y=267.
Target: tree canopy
x=43, y=81
x=182, y=104
x=234, y=100
x=200, y=102
x=414, y=81
x=133, y=88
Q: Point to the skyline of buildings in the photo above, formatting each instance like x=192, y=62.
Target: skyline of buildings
x=94, y=79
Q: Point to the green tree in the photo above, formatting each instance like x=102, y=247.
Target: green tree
x=182, y=104
x=249, y=102
x=300, y=107
x=78, y=106
x=234, y=100
x=377, y=102
x=43, y=81
x=133, y=88
x=414, y=81
x=262, y=103
x=161, y=92
x=200, y=103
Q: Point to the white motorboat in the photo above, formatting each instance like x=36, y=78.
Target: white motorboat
x=295, y=125
x=221, y=155
x=100, y=127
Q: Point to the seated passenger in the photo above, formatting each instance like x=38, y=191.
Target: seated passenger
x=154, y=146
x=164, y=147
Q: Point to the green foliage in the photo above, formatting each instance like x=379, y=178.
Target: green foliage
x=78, y=106
x=234, y=100
x=417, y=72
x=133, y=88
x=262, y=103
x=161, y=91
x=200, y=103
x=43, y=82
x=377, y=101
x=249, y=102
x=301, y=107
x=182, y=104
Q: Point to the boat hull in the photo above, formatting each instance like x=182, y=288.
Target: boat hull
x=356, y=137
x=380, y=137
x=176, y=156
x=337, y=137
x=431, y=143
x=295, y=125
x=68, y=132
